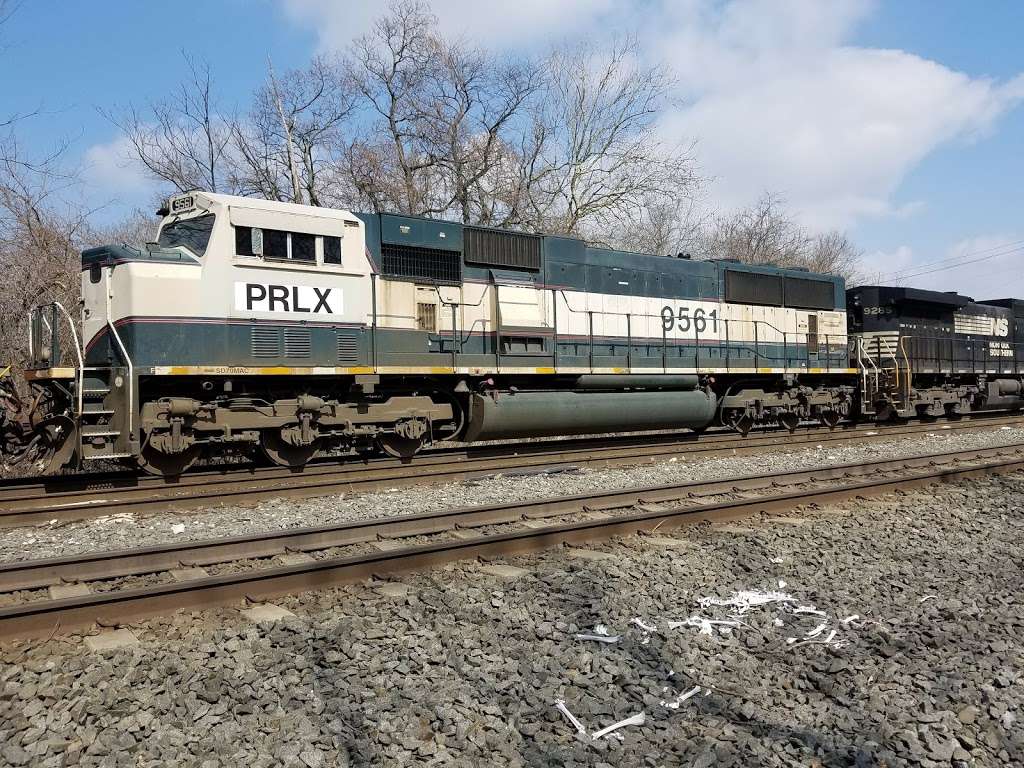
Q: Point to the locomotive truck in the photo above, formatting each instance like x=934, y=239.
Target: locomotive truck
x=304, y=331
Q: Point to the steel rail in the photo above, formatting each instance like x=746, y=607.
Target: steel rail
x=646, y=509
x=26, y=504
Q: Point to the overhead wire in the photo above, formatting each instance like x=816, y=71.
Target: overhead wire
x=942, y=265
x=955, y=259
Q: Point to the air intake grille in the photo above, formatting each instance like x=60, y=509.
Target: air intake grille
x=753, y=288
x=266, y=342
x=424, y=264
x=296, y=342
x=501, y=249
x=810, y=294
x=348, y=349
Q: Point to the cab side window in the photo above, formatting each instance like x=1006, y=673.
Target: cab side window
x=278, y=245
x=243, y=241
x=303, y=247
x=332, y=250
x=275, y=244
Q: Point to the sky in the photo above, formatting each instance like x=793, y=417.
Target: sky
x=900, y=122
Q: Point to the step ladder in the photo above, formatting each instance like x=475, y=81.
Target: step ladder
x=104, y=418
x=885, y=371
x=104, y=396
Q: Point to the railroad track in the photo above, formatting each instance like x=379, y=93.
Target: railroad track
x=67, y=498
x=361, y=550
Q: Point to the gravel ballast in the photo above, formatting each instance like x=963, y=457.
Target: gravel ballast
x=125, y=531
x=918, y=661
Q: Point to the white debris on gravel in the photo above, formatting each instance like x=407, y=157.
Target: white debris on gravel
x=681, y=698
x=573, y=720
x=217, y=522
x=706, y=626
x=745, y=601
x=742, y=603
x=598, y=637
x=638, y=719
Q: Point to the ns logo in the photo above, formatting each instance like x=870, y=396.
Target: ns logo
x=1000, y=326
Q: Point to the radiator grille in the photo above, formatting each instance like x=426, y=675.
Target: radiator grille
x=296, y=342
x=348, y=349
x=501, y=249
x=804, y=293
x=753, y=288
x=430, y=265
x=265, y=342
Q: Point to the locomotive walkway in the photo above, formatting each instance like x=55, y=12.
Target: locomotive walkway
x=250, y=567
x=75, y=497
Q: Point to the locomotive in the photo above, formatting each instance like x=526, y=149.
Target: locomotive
x=303, y=331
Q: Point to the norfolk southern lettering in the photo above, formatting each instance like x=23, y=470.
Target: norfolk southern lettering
x=300, y=299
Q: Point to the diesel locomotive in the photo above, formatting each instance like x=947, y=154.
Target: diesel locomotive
x=303, y=331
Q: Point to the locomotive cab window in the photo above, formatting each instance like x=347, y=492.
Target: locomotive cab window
x=193, y=234
x=278, y=245
x=332, y=250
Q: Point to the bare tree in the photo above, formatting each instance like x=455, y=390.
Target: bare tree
x=391, y=168
x=834, y=253
x=664, y=226
x=765, y=233
x=289, y=145
x=41, y=234
x=134, y=228
x=182, y=140
x=597, y=158
x=467, y=117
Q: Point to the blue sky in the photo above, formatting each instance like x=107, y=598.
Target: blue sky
x=901, y=122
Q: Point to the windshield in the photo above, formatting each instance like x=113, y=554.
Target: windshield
x=194, y=234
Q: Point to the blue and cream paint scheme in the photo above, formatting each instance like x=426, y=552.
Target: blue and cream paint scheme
x=237, y=286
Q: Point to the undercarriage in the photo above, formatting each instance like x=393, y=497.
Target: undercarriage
x=786, y=403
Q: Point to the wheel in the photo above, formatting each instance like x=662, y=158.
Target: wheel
x=740, y=421
x=400, y=447
x=789, y=420
x=830, y=419
x=285, y=454
x=161, y=464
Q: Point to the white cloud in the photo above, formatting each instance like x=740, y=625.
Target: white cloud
x=983, y=267
x=777, y=101
x=879, y=267
x=498, y=25
x=772, y=90
x=113, y=176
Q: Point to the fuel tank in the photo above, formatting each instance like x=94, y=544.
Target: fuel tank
x=1003, y=393
x=543, y=414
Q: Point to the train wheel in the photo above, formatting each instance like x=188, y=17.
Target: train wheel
x=830, y=419
x=161, y=464
x=789, y=420
x=285, y=454
x=740, y=421
x=403, y=448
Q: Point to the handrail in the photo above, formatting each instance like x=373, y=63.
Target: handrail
x=863, y=354
x=54, y=340
x=760, y=323
x=124, y=354
x=1009, y=355
x=906, y=360
x=78, y=354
